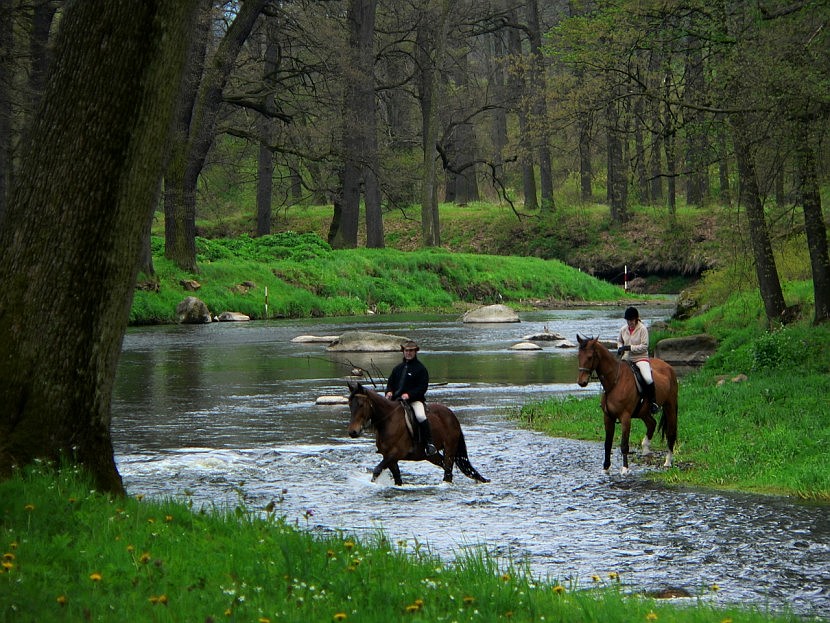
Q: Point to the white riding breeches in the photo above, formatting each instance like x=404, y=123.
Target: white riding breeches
x=418, y=410
x=645, y=370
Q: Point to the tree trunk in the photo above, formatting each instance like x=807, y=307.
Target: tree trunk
x=6, y=72
x=814, y=226
x=73, y=232
x=765, y=269
x=617, y=172
x=427, y=51
x=184, y=171
x=265, y=157
x=539, y=106
x=519, y=88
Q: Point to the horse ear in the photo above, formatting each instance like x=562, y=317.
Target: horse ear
x=354, y=386
x=582, y=340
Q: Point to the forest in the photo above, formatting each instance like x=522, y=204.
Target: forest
x=370, y=107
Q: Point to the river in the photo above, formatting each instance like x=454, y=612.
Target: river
x=225, y=414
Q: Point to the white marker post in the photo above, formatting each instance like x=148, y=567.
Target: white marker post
x=266, y=302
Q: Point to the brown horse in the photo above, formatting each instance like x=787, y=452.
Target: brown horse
x=621, y=400
x=395, y=442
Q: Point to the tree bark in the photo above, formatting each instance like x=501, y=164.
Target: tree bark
x=72, y=235
x=265, y=157
x=6, y=55
x=814, y=226
x=768, y=281
x=183, y=173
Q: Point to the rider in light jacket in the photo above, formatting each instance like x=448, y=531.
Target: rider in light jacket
x=632, y=345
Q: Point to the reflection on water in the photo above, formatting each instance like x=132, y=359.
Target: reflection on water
x=225, y=413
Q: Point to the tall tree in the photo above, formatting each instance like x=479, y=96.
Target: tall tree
x=71, y=237
x=195, y=135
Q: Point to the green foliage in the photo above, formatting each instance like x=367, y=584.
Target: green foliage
x=72, y=554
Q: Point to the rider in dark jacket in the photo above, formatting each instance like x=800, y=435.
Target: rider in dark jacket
x=409, y=381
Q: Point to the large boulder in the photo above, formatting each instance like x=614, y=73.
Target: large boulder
x=193, y=311
x=229, y=316
x=491, y=313
x=690, y=351
x=366, y=342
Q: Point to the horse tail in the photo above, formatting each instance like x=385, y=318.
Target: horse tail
x=463, y=461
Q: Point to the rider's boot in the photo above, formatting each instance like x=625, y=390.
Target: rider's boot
x=652, y=400
x=426, y=438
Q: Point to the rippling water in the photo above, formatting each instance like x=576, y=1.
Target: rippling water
x=224, y=414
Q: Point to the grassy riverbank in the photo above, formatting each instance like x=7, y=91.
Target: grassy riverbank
x=304, y=277
x=765, y=431
x=69, y=554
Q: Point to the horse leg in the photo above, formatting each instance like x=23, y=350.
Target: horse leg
x=651, y=424
x=670, y=413
x=609, y=441
x=396, y=472
x=449, y=460
x=624, y=435
x=382, y=466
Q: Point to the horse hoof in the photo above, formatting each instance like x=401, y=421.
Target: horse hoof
x=624, y=471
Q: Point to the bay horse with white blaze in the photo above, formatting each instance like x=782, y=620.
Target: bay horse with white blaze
x=621, y=400
x=394, y=440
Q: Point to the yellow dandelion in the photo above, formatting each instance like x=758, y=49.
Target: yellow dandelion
x=339, y=616
x=412, y=608
x=8, y=565
x=505, y=577
x=153, y=599
x=330, y=553
x=8, y=556
x=468, y=599
x=348, y=544
x=163, y=599
x=351, y=568
x=131, y=548
x=29, y=507
x=263, y=620
x=558, y=589
x=139, y=497
x=613, y=576
x=419, y=603
x=726, y=621
x=228, y=612
x=144, y=558
x=13, y=545
x=595, y=578
x=651, y=616
x=168, y=518
x=61, y=600
x=96, y=577
x=715, y=587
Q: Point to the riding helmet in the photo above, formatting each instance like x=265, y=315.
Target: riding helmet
x=632, y=314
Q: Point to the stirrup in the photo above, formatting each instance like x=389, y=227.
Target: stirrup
x=430, y=449
x=654, y=408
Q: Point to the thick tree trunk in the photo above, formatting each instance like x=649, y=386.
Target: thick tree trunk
x=765, y=269
x=814, y=226
x=617, y=171
x=539, y=106
x=6, y=43
x=518, y=87
x=73, y=232
x=184, y=171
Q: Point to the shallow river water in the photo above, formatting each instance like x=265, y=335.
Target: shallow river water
x=224, y=414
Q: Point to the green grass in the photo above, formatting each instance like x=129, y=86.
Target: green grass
x=768, y=433
x=305, y=277
x=70, y=554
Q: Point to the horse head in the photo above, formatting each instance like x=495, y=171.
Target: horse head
x=587, y=357
x=360, y=408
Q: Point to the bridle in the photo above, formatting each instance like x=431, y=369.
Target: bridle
x=593, y=370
